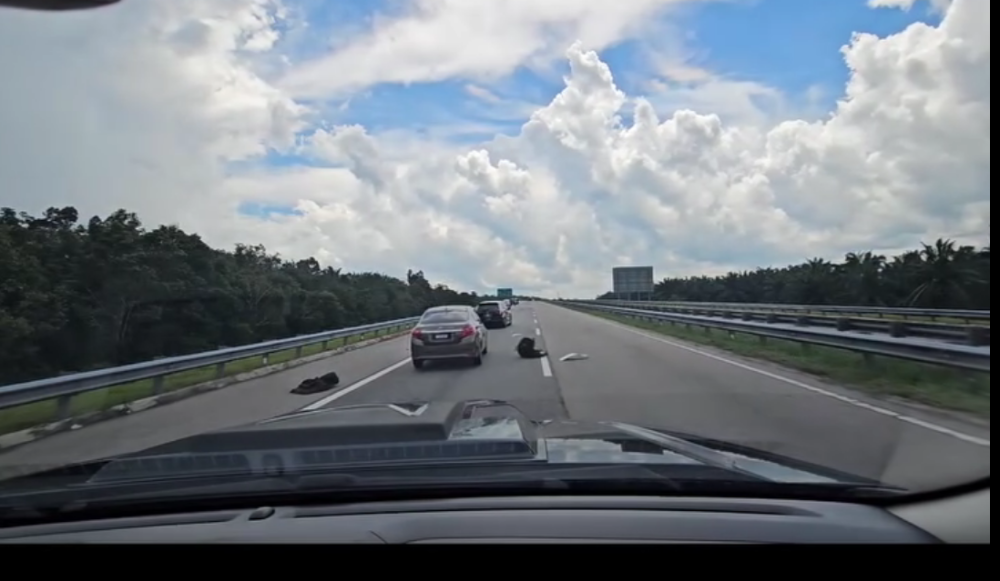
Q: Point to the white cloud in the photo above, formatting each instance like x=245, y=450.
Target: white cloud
x=141, y=106
x=443, y=39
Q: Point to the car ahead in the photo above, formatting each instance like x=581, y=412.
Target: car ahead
x=447, y=333
x=495, y=314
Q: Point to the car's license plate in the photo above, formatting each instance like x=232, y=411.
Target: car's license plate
x=441, y=336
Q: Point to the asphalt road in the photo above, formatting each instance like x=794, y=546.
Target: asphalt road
x=629, y=376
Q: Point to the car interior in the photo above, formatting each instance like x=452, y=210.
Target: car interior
x=961, y=516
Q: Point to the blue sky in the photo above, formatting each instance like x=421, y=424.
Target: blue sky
x=790, y=45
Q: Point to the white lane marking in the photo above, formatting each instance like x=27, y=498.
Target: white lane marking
x=355, y=387
x=546, y=367
x=414, y=413
x=538, y=332
x=842, y=398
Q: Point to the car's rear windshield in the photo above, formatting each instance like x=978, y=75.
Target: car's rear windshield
x=445, y=317
x=489, y=307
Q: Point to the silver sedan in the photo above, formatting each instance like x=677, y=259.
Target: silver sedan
x=449, y=332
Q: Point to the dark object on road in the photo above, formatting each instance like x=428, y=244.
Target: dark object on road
x=318, y=384
x=527, y=350
x=57, y=5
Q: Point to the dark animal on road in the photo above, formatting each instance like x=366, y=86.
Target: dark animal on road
x=527, y=350
x=318, y=384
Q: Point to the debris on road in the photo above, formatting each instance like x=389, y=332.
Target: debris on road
x=318, y=384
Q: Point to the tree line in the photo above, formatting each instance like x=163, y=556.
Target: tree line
x=942, y=275
x=77, y=297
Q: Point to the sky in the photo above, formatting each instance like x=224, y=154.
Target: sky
x=511, y=143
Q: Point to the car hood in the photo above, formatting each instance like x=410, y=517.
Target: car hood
x=474, y=431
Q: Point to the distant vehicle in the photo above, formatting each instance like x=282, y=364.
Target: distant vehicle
x=448, y=333
x=515, y=300
x=495, y=314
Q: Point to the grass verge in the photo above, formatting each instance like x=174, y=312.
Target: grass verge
x=937, y=387
x=45, y=412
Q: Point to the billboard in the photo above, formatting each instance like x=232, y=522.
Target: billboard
x=633, y=282
x=505, y=293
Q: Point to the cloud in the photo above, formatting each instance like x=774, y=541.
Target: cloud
x=150, y=106
x=443, y=39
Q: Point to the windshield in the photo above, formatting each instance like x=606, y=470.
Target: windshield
x=750, y=241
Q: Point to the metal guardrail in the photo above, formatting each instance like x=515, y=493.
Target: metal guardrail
x=911, y=349
x=977, y=335
x=67, y=386
x=904, y=313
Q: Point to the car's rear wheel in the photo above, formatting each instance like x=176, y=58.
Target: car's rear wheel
x=477, y=361
x=418, y=364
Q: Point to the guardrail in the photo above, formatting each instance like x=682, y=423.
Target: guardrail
x=975, y=335
x=880, y=312
x=911, y=349
x=64, y=388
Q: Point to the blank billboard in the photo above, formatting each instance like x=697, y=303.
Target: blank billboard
x=633, y=280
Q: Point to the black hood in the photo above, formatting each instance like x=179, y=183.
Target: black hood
x=434, y=433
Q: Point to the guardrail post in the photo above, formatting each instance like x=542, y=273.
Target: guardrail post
x=298, y=352
x=844, y=324
x=978, y=336
x=220, y=370
x=158, y=383
x=897, y=329
x=63, y=407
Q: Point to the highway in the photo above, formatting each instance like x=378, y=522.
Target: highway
x=630, y=376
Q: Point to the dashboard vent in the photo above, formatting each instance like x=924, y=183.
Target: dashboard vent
x=171, y=466
x=457, y=451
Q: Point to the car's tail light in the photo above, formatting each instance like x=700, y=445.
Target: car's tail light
x=417, y=334
x=468, y=331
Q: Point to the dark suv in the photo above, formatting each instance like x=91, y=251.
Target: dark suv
x=494, y=314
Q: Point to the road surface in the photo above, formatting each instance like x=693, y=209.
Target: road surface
x=630, y=376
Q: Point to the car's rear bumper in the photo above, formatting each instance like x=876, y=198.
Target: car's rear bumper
x=456, y=351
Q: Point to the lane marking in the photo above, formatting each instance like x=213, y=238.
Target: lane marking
x=354, y=387
x=842, y=398
x=546, y=367
x=538, y=332
x=410, y=413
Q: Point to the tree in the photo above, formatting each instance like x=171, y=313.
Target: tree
x=942, y=275
x=77, y=297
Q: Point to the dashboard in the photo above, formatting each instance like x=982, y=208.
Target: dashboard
x=530, y=520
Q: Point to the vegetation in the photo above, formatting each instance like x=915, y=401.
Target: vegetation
x=938, y=276
x=76, y=297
